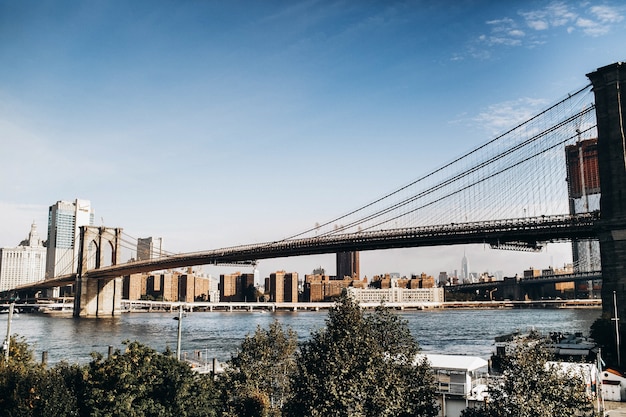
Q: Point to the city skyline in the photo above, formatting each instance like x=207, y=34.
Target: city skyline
x=210, y=126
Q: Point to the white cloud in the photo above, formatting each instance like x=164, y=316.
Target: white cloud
x=554, y=15
x=502, y=116
x=606, y=14
x=591, y=27
x=591, y=21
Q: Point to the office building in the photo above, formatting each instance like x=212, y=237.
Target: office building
x=149, y=248
x=24, y=264
x=465, y=272
x=64, y=222
x=348, y=265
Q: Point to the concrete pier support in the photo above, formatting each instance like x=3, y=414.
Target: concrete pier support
x=608, y=86
x=98, y=297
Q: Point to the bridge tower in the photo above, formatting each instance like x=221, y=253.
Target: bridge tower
x=97, y=297
x=608, y=83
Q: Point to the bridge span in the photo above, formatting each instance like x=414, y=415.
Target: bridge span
x=95, y=288
x=528, y=232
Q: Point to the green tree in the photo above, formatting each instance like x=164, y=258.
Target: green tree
x=361, y=365
x=603, y=333
x=30, y=389
x=530, y=387
x=141, y=382
x=256, y=380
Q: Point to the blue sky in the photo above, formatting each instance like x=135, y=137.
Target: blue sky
x=214, y=123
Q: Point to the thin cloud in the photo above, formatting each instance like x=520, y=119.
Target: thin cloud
x=502, y=116
x=606, y=14
x=529, y=28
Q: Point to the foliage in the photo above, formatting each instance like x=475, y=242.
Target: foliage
x=603, y=333
x=19, y=352
x=141, y=382
x=30, y=389
x=256, y=381
x=530, y=387
x=361, y=365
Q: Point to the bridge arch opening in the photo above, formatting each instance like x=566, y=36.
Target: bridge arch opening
x=92, y=254
x=107, y=255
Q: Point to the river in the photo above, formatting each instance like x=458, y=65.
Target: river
x=219, y=334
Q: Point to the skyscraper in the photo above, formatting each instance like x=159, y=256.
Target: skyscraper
x=583, y=180
x=24, y=264
x=465, y=271
x=64, y=221
x=348, y=265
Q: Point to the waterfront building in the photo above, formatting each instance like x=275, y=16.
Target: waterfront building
x=283, y=287
x=416, y=281
x=64, y=221
x=613, y=385
x=461, y=381
x=23, y=264
x=397, y=294
x=321, y=287
x=171, y=286
x=237, y=287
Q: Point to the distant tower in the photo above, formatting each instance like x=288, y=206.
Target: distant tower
x=145, y=248
x=348, y=265
x=465, y=271
x=24, y=264
x=64, y=221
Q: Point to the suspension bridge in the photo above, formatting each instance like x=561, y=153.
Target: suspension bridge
x=515, y=191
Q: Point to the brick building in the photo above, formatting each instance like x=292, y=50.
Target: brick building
x=318, y=287
x=237, y=287
x=283, y=287
x=170, y=286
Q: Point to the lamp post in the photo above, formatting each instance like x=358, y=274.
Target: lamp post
x=616, y=319
x=7, y=342
x=180, y=326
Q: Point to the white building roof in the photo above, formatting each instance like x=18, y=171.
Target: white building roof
x=454, y=362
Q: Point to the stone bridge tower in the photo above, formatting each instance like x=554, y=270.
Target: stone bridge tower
x=608, y=85
x=97, y=297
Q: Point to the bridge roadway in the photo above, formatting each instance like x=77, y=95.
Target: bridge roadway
x=538, y=280
x=529, y=230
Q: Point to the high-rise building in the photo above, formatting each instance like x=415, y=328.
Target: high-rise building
x=237, y=287
x=64, y=221
x=348, y=265
x=583, y=180
x=147, y=248
x=283, y=287
x=465, y=271
x=24, y=264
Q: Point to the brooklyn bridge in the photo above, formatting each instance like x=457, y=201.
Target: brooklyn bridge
x=558, y=176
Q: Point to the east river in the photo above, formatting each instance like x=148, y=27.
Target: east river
x=219, y=334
